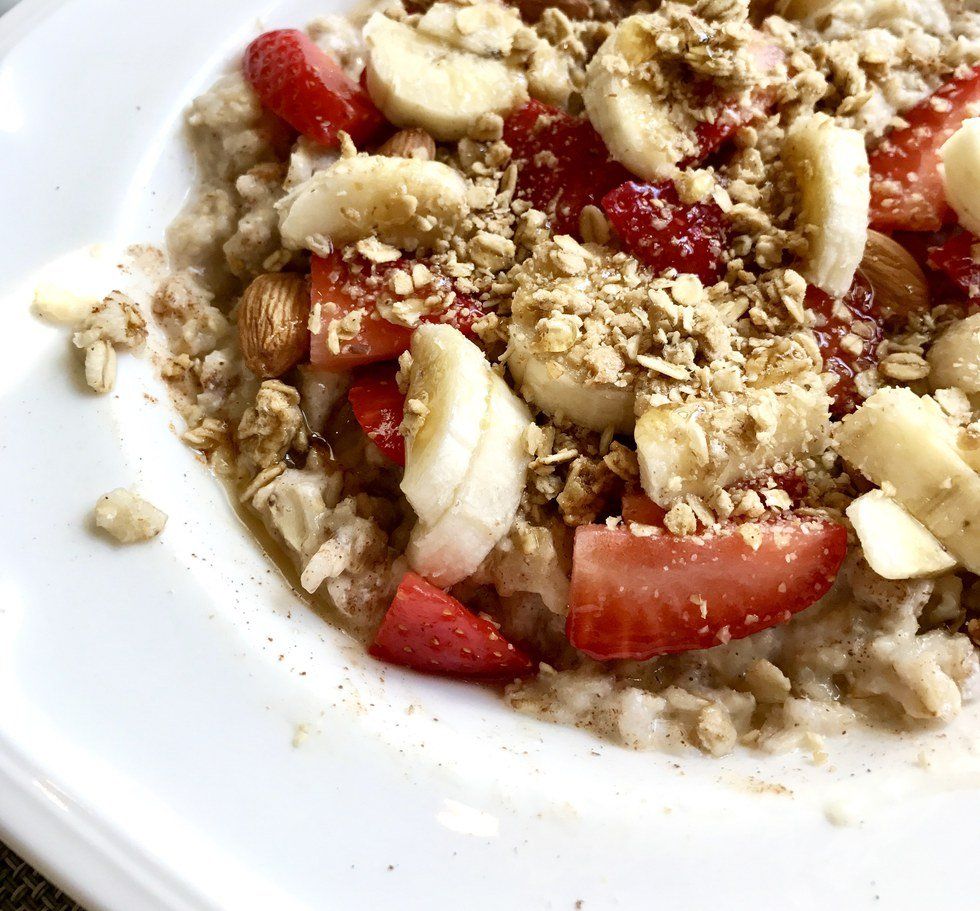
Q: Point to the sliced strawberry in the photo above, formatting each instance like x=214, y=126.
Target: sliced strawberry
x=309, y=90
x=906, y=185
x=639, y=509
x=664, y=233
x=564, y=164
x=430, y=631
x=853, y=318
x=636, y=597
x=956, y=259
x=340, y=290
x=379, y=407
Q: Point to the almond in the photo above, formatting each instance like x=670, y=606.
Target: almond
x=272, y=323
x=410, y=144
x=899, y=284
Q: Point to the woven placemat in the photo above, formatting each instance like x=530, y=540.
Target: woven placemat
x=22, y=888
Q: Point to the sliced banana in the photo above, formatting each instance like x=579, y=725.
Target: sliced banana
x=406, y=202
x=831, y=168
x=450, y=382
x=701, y=446
x=961, y=173
x=896, y=545
x=559, y=389
x=633, y=120
x=422, y=79
x=484, y=29
x=902, y=443
x=954, y=358
x=485, y=503
x=563, y=309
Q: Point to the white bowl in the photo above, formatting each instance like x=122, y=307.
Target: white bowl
x=150, y=696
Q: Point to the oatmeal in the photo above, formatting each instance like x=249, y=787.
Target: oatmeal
x=625, y=357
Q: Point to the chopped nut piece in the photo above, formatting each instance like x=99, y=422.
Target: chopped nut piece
x=128, y=517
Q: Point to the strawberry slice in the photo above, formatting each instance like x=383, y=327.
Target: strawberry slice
x=340, y=289
x=846, y=352
x=639, y=509
x=955, y=257
x=299, y=82
x=430, y=631
x=906, y=184
x=564, y=164
x=379, y=407
x=636, y=597
x=664, y=233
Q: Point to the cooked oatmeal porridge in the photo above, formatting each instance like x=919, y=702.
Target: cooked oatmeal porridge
x=626, y=356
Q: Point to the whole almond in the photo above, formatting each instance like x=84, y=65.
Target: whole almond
x=412, y=143
x=272, y=323
x=900, y=286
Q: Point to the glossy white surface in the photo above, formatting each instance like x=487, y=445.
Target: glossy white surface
x=149, y=696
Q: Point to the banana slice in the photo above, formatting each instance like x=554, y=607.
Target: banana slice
x=699, y=447
x=961, y=173
x=901, y=442
x=954, y=358
x=406, y=202
x=632, y=119
x=421, y=79
x=484, y=29
x=485, y=503
x=896, y=545
x=831, y=168
x=450, y=380
x=563, y=390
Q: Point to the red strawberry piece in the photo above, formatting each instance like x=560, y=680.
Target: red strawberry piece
x=430, y=631
x=664, y=233
x=379, y=407
x=341, y=288
x=564, y=164
x=635, y=597
x=956, y=258
x=309, y=90
x=906, y=185
x=848, y=332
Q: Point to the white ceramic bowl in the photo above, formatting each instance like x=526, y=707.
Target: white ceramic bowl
x=149, y=696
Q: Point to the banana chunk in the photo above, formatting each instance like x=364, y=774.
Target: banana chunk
x=485, y=503
x=564, y=389
x=896, y=545
x=954, y=358
x=961, y=173
x=830, y=164
x=445, y=74
x=406, y=202
x=633, y=120
x=465, y=460
x=701, y=446
x=902, y=443
x=450, y=386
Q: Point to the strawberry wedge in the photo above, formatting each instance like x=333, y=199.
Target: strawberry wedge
x=379, y=408
x=835, y=321
x=340, y=290
x=955, y=257
x=296, y=80
x=906, y=184
x=664, y=233
x=430, y=631
x=635, y=597
x=563, y=163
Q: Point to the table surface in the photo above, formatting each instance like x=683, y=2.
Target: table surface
x=22, y=888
